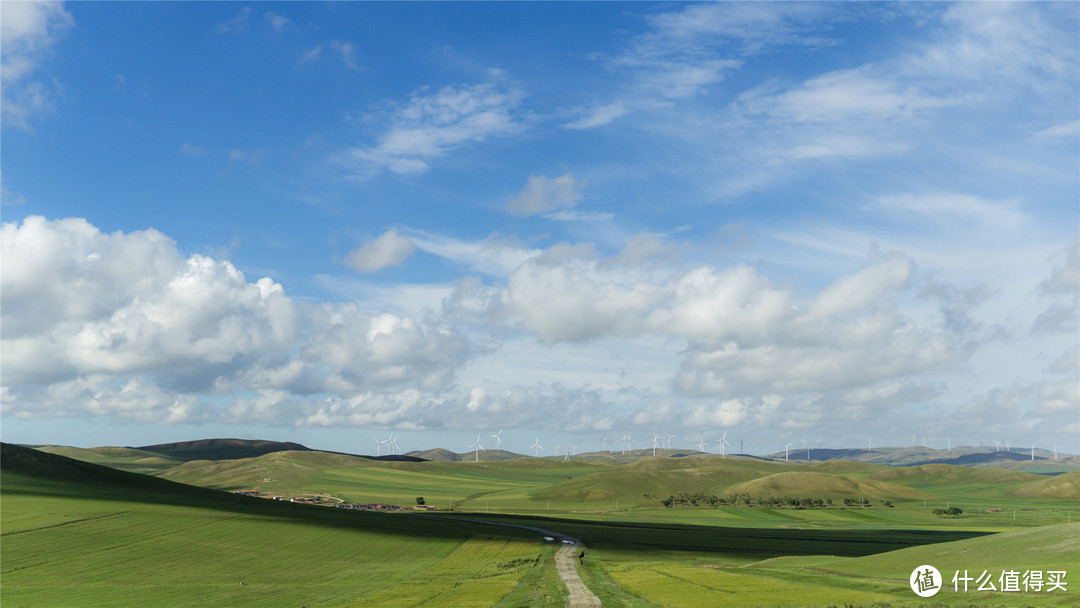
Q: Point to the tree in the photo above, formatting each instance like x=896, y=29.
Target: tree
x=420, y=500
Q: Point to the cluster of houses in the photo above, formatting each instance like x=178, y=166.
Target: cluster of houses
x=319, y=500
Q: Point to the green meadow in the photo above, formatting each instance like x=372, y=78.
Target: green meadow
x=77, y=534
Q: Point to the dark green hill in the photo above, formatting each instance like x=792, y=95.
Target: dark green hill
x=221, y=449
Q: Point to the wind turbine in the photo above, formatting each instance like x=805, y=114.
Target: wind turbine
x=477, y=447
x=536, y=447
x=997, y=446
x=654, y=438
x=869, y=442
x=786, y=446
x=724, y=445
x=701, y=443
x=668, y=438
x=913, y=440
x=1055, y=450
x=1033, y=451
x=379, y=443
x=604, y=444
x=393, y=443
x=390, y=443
x=1007, y=446
x=498, y=440
x=630, y=441
x=807, y=449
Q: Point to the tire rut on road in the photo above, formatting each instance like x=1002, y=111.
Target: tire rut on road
x=577, y=594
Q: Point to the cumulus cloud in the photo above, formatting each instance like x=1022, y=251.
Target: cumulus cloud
x=389, y=249
x=28, y=30
x=542, y=194
x=123, y=325
x=431, y=124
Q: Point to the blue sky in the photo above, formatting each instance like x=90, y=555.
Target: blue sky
x=326, y=222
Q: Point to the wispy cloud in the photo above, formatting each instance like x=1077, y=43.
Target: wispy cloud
x=432, y=124
x=276, y=21
x=865, y=93
x=542, y=194
x=237, y=23
x=599, y=116
x=28, y=30
x=1068, y=130
x=191, y=150
x=347, y=52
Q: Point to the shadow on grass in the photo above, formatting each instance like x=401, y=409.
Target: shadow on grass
x=637, y=537
x=29, y=472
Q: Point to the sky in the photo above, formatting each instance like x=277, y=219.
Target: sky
x=835, y=223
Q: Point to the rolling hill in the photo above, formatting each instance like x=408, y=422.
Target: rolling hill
x=82, y=535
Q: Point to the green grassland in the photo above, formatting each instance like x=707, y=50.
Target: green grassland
x=634, y=490
x=76, y=534
x=94, y=536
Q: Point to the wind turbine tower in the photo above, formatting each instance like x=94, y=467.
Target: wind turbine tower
x=379, y=443
x=786, y=446
x=536, y=447
x=477, y=447
x=498, y=439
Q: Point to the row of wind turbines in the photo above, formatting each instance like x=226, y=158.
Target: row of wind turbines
x=663, y=441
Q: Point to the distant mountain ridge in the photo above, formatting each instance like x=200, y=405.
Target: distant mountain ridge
x=236, y=449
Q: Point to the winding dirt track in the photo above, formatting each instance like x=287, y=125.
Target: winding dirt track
x=577, y=594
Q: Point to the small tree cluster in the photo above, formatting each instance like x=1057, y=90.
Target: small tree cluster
x=856, y=502
x=950, y=512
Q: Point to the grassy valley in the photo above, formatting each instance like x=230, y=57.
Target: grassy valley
x=79, y=534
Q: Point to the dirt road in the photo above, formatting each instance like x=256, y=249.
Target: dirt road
x=577, y=594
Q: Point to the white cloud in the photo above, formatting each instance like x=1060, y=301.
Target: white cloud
x=1068, y=131
x=276, y=21
x=570, y=215
x=492, y=256
x=311, y=54
x=347, y=51
x=28, y=30
x=842, y=96
x=996, y=42
x=599, y=116
x=389, y=249
x=237, y=23
x=432, y=124
x=122, y=325
x=724, y=414
x=958, y=208
x=542, y=194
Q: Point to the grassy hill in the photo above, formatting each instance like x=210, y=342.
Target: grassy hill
x=1064, y=487
x=221, y=449
x=127, y=459
x=78, y=534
